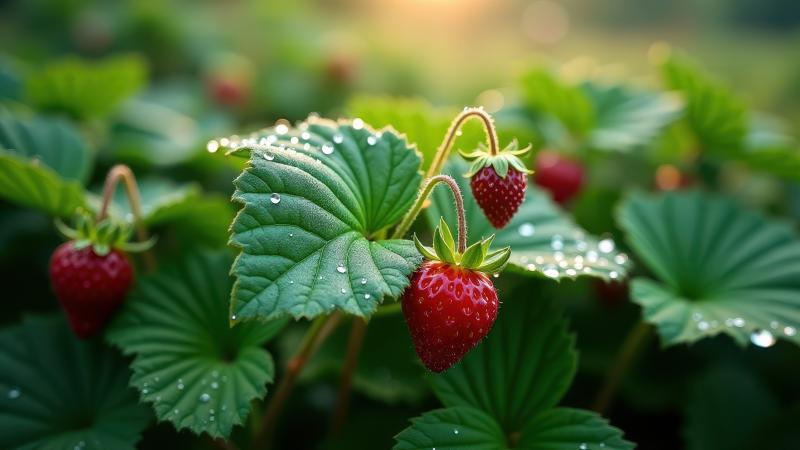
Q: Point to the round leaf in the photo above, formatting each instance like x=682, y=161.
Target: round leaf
x=722, y=269
x=312, y=201
x=567, y=428
x=523, y=368
x=57, y=392
x=196, y=371
x=542, y=238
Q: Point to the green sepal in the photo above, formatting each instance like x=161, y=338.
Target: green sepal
x=473, y=256
x=444, y=230
x=476, y=257
x=443, y=248
x=101, y=236
x=427, y=252
x=509, y=156
x=495, y=261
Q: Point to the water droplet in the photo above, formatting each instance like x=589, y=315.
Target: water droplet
x=583, y=446
x=281, y=128
x=613, y=275
x=526, y=230
x=557, y=242
x=145, y=391
x=367, y=296
x=363, y=281
x=358, y=123
x=344, y=291
x=702, y=325
x=372, y=140
x=233, y=317
x=14, y=393
x=294, y=140
x=551, y=272
x=774, y=325
x=621, y=259
x=275, y=198
x=205, y=398
x=496, y=275
x=341, y=268
x=338, y=138
x=762, y=338
x=214, y=385
x=212, y=146
x=176, y=411
x=305, y=135
x=180, y=386
x=591, y=256
x=697, y=317
x=269, y=156
x=606, y=246
x=738, y=322
x=789, y=331
x=455, y=431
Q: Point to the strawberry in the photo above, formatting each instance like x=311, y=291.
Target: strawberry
x=91, y=273
x=562, y=177
x=498, y=182
x=89, y=286
x=451, y=304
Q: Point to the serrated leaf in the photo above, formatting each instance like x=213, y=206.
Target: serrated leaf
x=33, y=185
x=546, y=95
x=311, y=204
x=543, y=239
x=52, y=142
x=193, y=368
x=522, y=369
x=57, y=392
x=722, y=269
x=628, y=118
x=567, y=428
x=86, y=89
x=717, y=118
x=423, y=124
x=459, y=427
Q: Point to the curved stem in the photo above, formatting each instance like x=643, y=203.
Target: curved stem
x=348, y=370
x=627, y=354
x=320, y=329
x=447, y=144
x=124, y=173
x=419, y=203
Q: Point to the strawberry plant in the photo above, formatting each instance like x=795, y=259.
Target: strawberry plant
x=394, y=274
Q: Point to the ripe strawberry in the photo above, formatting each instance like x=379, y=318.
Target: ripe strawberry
x=91, y=273
x=90, y=287
x=561, y=176
x=451, y=304
x=498, y=182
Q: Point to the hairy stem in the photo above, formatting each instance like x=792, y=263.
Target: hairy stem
x=447, y=144
x=320, y=329
x=348, y=370
x=419, y=203
x=630, y=349
x=124, y=173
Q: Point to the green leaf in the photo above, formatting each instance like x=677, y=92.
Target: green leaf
x=423, y=124
x=53, y=142
x=452, y=428
x=31, y=184
x=567, y=428
x=717, y=118
x=522, y=369
x=84, y=89
x=628, y=118
x=727, y=408
x=722, y=269
x=195, y=370
x=546, y=95
x=311, y=204
x=57, y=392
x=543, y=239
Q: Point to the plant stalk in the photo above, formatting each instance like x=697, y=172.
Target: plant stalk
x=631, y=347
x=320, y=329
x=447, y=144
x=124, y=173
x=354, y=343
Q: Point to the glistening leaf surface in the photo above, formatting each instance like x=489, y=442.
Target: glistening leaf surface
x=452, y=428
x=33, y=185
x=723, y=269
x=195, y=370
x=312, y=200
x=542, y=238
x=57, y=392
x=567, y=429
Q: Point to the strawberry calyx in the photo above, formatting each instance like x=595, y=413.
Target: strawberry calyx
x=102, y=236
x=476, y=257
x=508, y=157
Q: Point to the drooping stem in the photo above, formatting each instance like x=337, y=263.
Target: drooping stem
x=320, y=329
x=424, y=193
x=124, y=173
x=348, y=370
x=630, y=349
x=447, y=144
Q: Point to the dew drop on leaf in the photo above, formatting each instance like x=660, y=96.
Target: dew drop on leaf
x=205, y=398
x=14, y=393
x=526, y=229
x=372, y=140
x=762, y=338
x=358, y=123
x=606, y=246
x=281, y=128
x=275, y=198
x=789, y=331
x=341, y=268
x=363, y=281
x=269, y=156
x=367, y=296
x=328, y=148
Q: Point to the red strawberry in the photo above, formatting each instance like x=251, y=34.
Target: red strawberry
x=499, y=198
x=448, y=310
x=498, y=181
x=451, y=304
x=561, y=176
x=90, y=287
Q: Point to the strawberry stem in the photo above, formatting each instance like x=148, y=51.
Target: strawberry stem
x=447, y=144
x=419, y=203
x=348, y=370
x=124, y=173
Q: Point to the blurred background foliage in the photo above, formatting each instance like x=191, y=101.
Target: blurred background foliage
x=164, y=77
